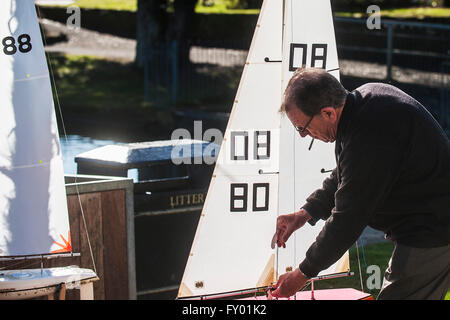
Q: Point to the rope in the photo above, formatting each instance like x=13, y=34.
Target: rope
x=20, y=265
x=66, y=139
x=359, y=267
x=362, y=251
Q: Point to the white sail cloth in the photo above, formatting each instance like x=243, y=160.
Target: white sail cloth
x=33, y=207
x=264, y=168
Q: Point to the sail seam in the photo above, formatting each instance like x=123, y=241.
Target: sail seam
x=32, y=78
x=26, y=165
x=359, y=267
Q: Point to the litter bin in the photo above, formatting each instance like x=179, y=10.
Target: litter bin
x=171, y=179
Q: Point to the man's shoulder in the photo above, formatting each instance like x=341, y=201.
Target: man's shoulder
x=384, y=100
x=383, y=92
x=379, y=113
x=370, y=86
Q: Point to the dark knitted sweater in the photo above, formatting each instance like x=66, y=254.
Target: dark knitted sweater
x=392, y=174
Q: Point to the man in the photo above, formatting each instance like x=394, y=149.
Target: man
x=392, y=173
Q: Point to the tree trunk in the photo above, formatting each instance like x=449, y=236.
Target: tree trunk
x=161, y=48
x=182, y=21
x=151, y=27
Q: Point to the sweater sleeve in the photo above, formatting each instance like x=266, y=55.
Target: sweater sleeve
x=320, y=202
x=368, y=170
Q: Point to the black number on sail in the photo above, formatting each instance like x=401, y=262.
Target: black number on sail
x=318, y=54
x=10, y=48
x=239, y=197
x=25, y=43
x=261, y=145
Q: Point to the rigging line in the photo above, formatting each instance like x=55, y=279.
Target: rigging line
x=65, y=137
x=282, y=27
x=294, y=135
x=362, y=251
x=21, y=264
x=282, y=79
x=359, y=267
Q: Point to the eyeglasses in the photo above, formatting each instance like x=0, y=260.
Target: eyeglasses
x=303, y=129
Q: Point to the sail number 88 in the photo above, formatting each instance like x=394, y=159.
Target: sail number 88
x=23, y=44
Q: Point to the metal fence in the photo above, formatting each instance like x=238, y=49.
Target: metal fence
x=207, y=74
x=192, y=73
x=410, y=44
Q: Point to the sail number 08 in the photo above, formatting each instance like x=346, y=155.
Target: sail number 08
x=23, y=44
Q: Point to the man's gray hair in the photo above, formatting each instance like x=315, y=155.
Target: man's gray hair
x=312, y=89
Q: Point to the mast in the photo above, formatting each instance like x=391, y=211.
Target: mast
x=309, y=41
x=231, y=248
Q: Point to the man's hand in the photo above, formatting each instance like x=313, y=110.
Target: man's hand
x=286, y=225
x=288, y=284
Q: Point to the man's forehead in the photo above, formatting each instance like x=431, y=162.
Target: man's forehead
x=294, y=112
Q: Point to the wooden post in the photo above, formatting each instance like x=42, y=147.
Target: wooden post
x=87, y=291
x=62, y=292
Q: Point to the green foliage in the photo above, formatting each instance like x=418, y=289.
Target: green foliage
x=92, y=84
x=361, y=5
x=375, y=254
x=227, y=7
x=347, y=8
x=244, y=4
x=127, y=5
x=402, y=13
x=416, y=13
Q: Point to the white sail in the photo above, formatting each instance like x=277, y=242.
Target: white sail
x=231, y=249
x=33, y=208
x=308, y=40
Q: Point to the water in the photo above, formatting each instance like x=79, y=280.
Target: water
x=74, y=145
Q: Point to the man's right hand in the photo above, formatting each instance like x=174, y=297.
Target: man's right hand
x=286, y=225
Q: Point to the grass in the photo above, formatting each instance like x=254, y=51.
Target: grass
x=417, y=13
x=375, y=254
x=221, y=7
x=105, y=99
x=126, y=5
x=89, y=83
x=404, y=13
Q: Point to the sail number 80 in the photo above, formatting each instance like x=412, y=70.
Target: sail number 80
x=23, y=44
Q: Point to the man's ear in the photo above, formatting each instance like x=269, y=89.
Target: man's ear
x=329, y=114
